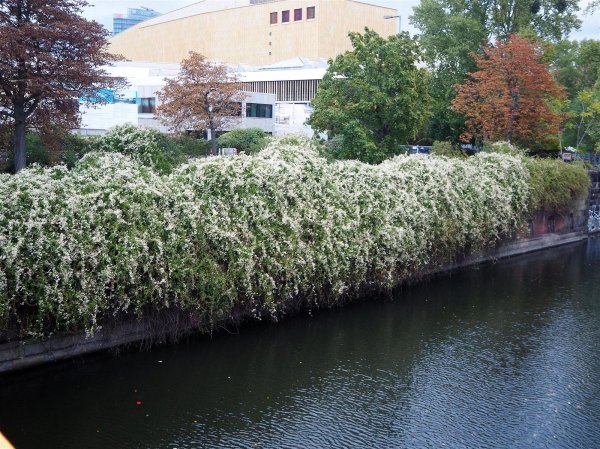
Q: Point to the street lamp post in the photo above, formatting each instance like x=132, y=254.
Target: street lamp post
x=399, y=21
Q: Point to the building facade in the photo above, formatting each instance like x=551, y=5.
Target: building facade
x=137, y=103
x=134, y=16
x=254, y=32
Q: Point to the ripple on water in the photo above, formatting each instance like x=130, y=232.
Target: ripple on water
x=506, y=356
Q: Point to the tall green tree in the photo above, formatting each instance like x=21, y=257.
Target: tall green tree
x=451, y=30
x=583, y=127
x=374, y=98
x=576, y=65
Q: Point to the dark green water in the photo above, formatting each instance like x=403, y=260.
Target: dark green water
x=505, y=355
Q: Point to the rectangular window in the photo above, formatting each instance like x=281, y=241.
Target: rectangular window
x=285, y=16
x=147, y=106
x=297, y=14
x=273, y=18
x=259, y=110
x=310, y=12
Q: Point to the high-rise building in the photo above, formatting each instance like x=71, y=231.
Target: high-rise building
x=255, y=32
x=133, y=17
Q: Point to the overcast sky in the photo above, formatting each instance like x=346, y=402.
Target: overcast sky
x=103, y=10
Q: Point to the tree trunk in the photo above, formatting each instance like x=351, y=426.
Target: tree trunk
x=19, y=148
x=213, y=142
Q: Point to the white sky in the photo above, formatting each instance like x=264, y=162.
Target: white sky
x=103, y=10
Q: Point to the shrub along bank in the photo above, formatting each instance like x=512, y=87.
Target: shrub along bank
x=250, y=235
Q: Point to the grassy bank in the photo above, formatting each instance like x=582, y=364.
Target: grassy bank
x=255, y=235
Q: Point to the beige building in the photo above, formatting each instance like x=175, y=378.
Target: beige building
x=256, y=32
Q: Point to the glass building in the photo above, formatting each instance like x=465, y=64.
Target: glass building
x=133, y=17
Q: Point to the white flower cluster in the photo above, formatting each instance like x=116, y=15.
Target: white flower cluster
x=246, y=235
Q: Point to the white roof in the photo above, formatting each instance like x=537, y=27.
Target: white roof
x=152, y=73
x=283, y=75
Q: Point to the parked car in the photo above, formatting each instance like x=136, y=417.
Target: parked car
x=418, y=149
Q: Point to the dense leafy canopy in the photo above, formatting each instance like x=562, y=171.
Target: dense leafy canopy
x=204, y=96
x=510, y=96
x=373, y=98
x=576, y=65
x=452, y=30
x=248, y=140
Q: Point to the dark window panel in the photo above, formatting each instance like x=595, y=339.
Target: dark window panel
x=147, y=106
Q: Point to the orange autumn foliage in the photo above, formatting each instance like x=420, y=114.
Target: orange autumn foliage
x=509, y=96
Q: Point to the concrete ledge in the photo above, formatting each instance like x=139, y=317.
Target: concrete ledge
x=519, y=247
x=17, y=355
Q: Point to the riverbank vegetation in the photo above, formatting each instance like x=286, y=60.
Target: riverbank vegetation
x=246, y=236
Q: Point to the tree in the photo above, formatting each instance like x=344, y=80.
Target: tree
x=204, y=96
x=374, y=98
x=51, y=57
x=509, y=96
x=248, y=140
x=585, y=118
x=576, y=65
x=452, y=30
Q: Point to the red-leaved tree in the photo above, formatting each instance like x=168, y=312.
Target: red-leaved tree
x=50, y=57
x=510, y=96
x=204, y=96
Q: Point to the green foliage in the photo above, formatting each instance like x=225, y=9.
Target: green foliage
x=443, y=148
x=451, y=30
x=447, y=37
x=190, y=146
x=149, y=146
x=353, y=143
x=576, y=65
x=35, y=152
x=372, y=99
x=503, y=148
x=74, y=147
x=584, y=122
x=248, y=140
x=253, y=235
x=555, y=185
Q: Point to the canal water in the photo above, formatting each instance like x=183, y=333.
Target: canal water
x=505, y=355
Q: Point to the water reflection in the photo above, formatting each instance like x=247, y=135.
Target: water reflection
x=504, y=355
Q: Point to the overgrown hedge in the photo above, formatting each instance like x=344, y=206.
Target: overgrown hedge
x=555, y=185
x=255, y=234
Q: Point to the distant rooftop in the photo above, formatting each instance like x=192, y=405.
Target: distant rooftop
x=291, y=69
